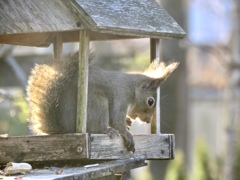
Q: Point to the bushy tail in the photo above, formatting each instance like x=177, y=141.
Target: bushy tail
x=45, y=84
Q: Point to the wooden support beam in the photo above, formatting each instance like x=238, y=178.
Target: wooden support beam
x=43, y=148
x=162, y=146
x=57, y=46
x=83, y=146
x=81, y=122
x=155, y=54
x=27, y=39
x=153, y=45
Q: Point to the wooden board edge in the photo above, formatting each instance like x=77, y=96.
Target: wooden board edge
x=44, y=148
x=172, y=146
x=154, y=146
x=83, y=146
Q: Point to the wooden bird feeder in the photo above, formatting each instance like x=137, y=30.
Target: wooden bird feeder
x=41, y=23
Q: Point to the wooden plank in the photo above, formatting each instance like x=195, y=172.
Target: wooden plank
x=31, y=16
x=45, y=39
x=146, y=19
x=154, y=146
x=81, y=122
x=82, y=146
x=154, y=54
x=153, y=45
x=57, y=46
x=158, y=108
x=73, y=36
x=43, y=148
x=30, y=39
x=102, y=170
x=128, y=17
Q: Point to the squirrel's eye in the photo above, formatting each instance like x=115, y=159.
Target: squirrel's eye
x=150, y=101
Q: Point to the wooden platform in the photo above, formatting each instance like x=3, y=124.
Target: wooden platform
x=83, y=146
x=97, y=171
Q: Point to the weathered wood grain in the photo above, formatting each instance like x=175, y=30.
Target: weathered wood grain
x=81, y=122
x=128, y=17
x=27, y=39
x=102, y=170
x=155, y=125
x=29, y=16
x=153, y=146
x=43, y=148
x=155, y=55
x=82, y=146
x=57, y=46
x=32, y=22
x=45, y=39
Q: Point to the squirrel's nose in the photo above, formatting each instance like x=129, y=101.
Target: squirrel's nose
x=148, y=121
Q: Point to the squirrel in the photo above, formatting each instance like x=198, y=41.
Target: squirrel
x=113, y=98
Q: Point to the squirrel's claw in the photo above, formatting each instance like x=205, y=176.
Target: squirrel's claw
x=129, y=142
x=112, y=133
x=128, y=138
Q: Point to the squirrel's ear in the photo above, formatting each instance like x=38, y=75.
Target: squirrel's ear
x=158, y=73
x=153, y=83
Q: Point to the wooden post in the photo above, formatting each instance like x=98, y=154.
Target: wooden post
x=154, y=54
x=81, y=122
x=153, y=48
x=57, y=46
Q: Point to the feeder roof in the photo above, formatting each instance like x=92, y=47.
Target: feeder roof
x=34, y=22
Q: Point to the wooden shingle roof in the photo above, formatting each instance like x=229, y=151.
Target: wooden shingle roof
x=34, y=22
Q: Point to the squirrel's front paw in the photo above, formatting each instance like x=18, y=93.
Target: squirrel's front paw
x=112, y=133
x=128, y=121
x=129, y=142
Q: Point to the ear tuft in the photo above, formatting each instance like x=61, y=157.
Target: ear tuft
x=160, y=70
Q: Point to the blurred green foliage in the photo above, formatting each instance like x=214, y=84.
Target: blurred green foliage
x=236, y=164
x=205, y=166
x=13, y=115
x=202, y=164
x=176, y=169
